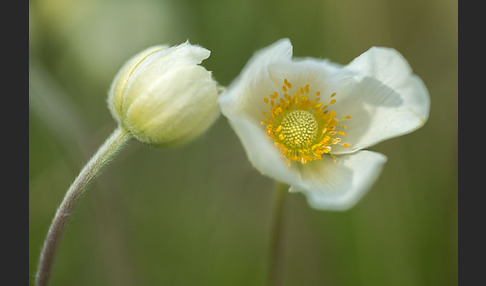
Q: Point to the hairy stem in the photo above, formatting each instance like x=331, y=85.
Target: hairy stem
x=276, y=257
x=105, y=153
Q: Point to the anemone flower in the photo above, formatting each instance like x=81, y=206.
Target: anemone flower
x=305, y=122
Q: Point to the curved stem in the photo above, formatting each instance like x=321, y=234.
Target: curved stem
x=276, y=259
x=105, y=153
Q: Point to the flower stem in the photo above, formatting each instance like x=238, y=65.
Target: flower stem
x=105, y=153
x=276, y=258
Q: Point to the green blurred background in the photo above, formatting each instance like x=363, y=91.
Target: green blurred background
x=200, y=214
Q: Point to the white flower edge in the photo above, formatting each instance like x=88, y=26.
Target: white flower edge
x=339, y=186
x=234, y=99
x=396, y=101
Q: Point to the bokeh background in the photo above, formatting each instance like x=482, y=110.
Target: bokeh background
x=200, y=214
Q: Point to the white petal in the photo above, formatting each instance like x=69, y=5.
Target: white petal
x=246, y=93
x=330, y=185
x=117, y=87
x=388, y=100
x=260, y=151
x=189, y=104
x=147, y=75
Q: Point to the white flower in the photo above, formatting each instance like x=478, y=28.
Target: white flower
x=163, y=96
x=305, y=121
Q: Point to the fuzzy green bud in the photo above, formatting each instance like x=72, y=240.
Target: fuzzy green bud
x=163, y=96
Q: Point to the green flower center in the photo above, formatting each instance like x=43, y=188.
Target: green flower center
x=299, y=128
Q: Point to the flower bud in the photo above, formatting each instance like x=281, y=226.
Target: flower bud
x=163, y=96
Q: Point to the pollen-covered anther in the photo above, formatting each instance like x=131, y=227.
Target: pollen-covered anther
x=300, y=126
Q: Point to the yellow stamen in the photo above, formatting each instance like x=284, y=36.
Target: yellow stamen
x=300, y=126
